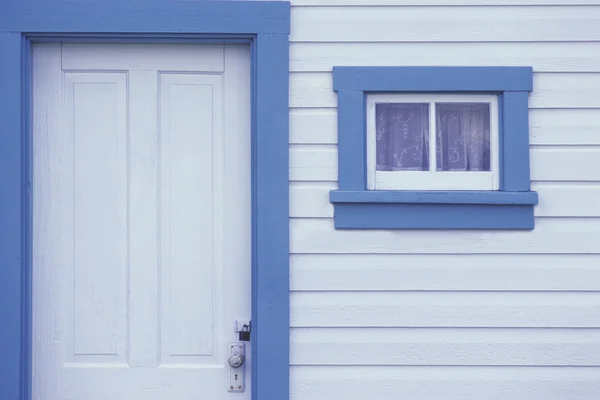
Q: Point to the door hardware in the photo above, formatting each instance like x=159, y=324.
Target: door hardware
x=236, y=373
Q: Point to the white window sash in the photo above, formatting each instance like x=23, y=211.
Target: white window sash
x=428, y=180
x=432, y=179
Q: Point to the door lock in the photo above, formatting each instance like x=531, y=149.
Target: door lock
x=236, y=360
x=236, y=374
x=244, y=333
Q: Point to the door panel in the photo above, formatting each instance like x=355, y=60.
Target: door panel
x=141, y=220
x=95, y=133
x=153, y=57
x=190, y=162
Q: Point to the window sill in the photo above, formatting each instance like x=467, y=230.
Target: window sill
x=433, y=209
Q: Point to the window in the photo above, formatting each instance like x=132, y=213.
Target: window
x=433, y=148
x=432, y=142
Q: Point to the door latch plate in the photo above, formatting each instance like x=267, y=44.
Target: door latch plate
x=236, y=374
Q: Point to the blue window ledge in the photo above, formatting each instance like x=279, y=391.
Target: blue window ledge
x=433, y=210
x=510, y=207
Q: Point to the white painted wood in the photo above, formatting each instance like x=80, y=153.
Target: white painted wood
x=453, y=383
x=564, y=127
x=143, y=219
x=313, y=126
x=568, y=90
x=190, y=118
x=95, y=135
x=555, y=163
x=313, y=163
x=432, y=179
x=49, y=226
x=546, y=126
x=548, y=163
x=236, y=218
x=561, y=199
x=447, y=24
x=443, y=272
x=312, y=90
x=136, y=187
x=550, y=236
x=542, y=56
x=565, y=199
x=311, y=199
x=551, y=90
x=153, y=57
x=442, y=346
x=445, y=309
x=428, y=180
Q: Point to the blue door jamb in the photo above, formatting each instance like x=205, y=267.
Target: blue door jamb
x=265, y=25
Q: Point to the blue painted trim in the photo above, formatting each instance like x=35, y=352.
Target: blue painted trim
x=434, y=197
x=151, y=16
x=355, y=206
x=515, y=141
x=271, y=290
x=12, y=245
x=26, y=216
x=433, y=79
x=432, y=216
x=265, y=25
x=353, y=125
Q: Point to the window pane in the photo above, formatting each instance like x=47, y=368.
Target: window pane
x=402, y=136
x=463, y=136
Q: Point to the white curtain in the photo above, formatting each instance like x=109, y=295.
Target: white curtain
x=463, y=137
x=402, y=137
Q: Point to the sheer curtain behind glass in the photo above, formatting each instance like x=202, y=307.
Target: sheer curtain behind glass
x=463, y=136
x=402, y=136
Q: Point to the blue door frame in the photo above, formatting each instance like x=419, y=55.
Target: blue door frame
x=265, y=26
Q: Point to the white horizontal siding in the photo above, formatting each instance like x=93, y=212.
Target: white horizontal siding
x=448, y=24
x=458, y=315
x=542, y=56
x=443, y=272
x=444, y=346
x=550, y=236
x=443, y=382
x=551, y=90
x=446, y=309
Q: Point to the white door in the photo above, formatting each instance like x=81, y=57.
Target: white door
x=141, y=190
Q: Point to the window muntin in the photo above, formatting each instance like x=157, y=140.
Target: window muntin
x=432, y=142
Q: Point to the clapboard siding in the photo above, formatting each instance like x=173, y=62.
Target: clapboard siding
x=546, y=126
x=543, y=57
x=443, y=382
x=446, y=309
x=551, y=90
x=550, y=236
x=448, y=24
x=441, y=272
x=443, y=346
x=562, y=199
x=548, y=163
x=457, y=315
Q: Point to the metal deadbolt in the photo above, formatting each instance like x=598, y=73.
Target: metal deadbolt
x=236, y=360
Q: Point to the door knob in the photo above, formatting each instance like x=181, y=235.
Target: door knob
x=236, y=360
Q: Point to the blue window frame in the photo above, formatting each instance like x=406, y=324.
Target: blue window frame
x=265, y=27
x=510, y=207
